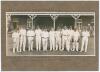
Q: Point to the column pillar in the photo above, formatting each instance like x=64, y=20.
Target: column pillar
x=76, y=18
x=32, y=17
x=8, y=21
x=54, y=17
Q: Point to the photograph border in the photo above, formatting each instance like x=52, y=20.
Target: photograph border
x=51, y=13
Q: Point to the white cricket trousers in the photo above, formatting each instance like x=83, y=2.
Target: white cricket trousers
x=52, y=43
x=84, y=44
x=75, y=44
x=38, y=43
x=65, y=42
x=15, y=44
x=58, y=43
x=22, y=43
x=30, y=43
x=45, y=43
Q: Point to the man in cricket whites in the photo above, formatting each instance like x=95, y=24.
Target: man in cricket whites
x=52, y=39
x=76, y=36
x=45, y=36
x=58, y=38
x=15, y=37
x=38, y=38
x=65, y=40
x=70, y=39
x=22, y=32
x=85, y=36
x=30, y=37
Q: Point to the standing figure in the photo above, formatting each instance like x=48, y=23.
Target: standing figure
x=90, y=29
x=76, y=36
x=15, y=37
x=71, y=31
x=85, y=35
x=52, y=39
x=22, y=32
x=65, y=40
x=30, y=37
x=38, y=38
x=93, y=32
x=45, y=36
x=58, y=38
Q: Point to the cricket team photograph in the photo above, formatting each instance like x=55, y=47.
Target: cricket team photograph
x=61, y=37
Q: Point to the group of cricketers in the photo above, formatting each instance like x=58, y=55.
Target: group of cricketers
x=66, y=39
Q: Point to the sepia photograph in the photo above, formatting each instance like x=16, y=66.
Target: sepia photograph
x=50, y=33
